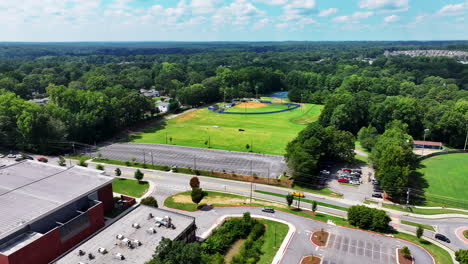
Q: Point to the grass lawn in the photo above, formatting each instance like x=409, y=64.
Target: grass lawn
x=129, y=187
x=305, y=200
x=422, y=210
x=274, y=235
x=441, y=256
x=427, y=227
x=268, y=133
x=322, y=191
x=447, y=181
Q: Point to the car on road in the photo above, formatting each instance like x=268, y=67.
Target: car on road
x=42, y=159
x=343, y=180
x=268, y=210
x=442, y=238
x=377, y=194
x=11, y=156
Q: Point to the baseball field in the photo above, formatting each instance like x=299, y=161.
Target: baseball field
x=263, y=133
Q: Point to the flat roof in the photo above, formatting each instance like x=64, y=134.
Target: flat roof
x=427, y=143
x=30, y=190
x=107, y=238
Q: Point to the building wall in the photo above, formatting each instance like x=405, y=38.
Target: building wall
x=50, y=246
x=106, y=196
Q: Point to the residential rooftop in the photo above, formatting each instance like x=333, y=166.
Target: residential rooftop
x=31, y=190
x=124, y=229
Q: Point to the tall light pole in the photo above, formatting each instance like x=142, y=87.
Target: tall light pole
x=466, y=139
x=424, y=146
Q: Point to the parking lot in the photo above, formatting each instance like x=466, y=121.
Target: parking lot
x=204, y=159
x=345, y=249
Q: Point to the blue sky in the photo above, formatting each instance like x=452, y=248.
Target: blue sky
x=232, y=20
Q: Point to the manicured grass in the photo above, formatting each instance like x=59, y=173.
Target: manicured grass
x=348, y=184
x=266, y=108
x=305, y=200
x=446, y=177
x=129, y=187
x=133, y=164
x=268, y=133
x=190, y=206
x=427, y=227
x=440, y=255
x=422, y=210
x=274, y=235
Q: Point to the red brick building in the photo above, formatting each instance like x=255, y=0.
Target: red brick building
x=45, y=210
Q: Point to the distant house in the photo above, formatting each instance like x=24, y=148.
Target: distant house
x=163, y=107
x=42, y=101
x=149, y=93
x=427, y=144
x=213, y=107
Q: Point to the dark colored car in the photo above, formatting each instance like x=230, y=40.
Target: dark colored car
x=268, y=210
x=377, y=195
x=442, y=238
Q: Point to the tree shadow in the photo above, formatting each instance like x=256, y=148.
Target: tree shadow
x=418, y=183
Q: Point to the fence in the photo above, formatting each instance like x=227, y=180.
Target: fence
x=294, y=106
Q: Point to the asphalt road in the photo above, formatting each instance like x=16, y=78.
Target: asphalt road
x=345, y=246
x=205, y=159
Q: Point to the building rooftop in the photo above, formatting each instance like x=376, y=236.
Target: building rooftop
x=139, y=254
x=427, y=143
x=30, y=190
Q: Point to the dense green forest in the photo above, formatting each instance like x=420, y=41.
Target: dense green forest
x=94, y=87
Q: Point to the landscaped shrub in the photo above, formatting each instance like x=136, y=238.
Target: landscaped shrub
x=368, y=218
x=150, y=201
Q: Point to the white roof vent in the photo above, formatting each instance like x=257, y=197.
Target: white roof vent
x=102, y=250
x=120, y=237
x=136, y=242
x=151, y=230
x=136, y=225
x=119, y=256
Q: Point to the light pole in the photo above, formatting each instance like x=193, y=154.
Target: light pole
x=424, y=146
x=466, y=139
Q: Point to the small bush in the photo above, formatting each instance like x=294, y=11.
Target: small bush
x=82, y=162
x=99, y=167
x=127, y=163
x=150, y=201
x=406, y=252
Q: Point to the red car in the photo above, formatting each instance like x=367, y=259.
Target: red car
x=343, y=180
x=346, y=169
x=42, y=159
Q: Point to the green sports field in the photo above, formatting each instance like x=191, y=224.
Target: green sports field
x=268, y=133
x=266, y=108
x=447, y=177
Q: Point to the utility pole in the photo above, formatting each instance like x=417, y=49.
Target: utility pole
x=407, y=197
x=251, y=182
x=268, y=174
x=73, y=144
x=152, y=163
x=144, y=157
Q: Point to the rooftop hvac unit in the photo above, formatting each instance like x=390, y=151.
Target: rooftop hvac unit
x=81, y=262
x=151, y=230
x=136, y=225
x=126, y=241
x=136, y=243
x=120, y=237
x=81, y=253
x=165, y=221
x=150, y=215
x=102, y=250
x=119, y=256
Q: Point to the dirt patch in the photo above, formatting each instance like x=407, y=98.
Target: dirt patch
x=402, y=259
x=234, y=250
x=311, y=260
x=251, y=105
x=186, y=117
x=216, y=199
x=319, y=238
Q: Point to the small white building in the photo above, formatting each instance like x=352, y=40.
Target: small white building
x=163, y=107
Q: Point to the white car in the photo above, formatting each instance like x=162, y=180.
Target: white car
x=11, y=156
x=325, y=172
x=2, y=156
x=355, y=182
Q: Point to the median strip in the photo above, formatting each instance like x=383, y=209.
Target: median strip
x=305, y=200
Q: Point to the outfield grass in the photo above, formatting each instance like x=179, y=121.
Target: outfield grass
x=447, y=181
x=268, y=133
x=427, y=227
x=266, y=108
x=274, y=231
x=129, y=187
x=305, y=200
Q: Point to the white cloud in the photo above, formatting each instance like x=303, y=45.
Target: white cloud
x=203, y=6
x=391, y=19
x=282, y=25
x=261, y=23
x=453, y=9
x=385, y=5
x=354, y=18
x=239, y=12
x=273, y=2
x=328, y=12
x=461, y=19
x=419, y=19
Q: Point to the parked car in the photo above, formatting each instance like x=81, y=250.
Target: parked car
x=28, y=157
x=325, y=172
x=357, y=174
x=268, y=210
x=2, y=155
x=42, y=159
x=442, y=238
x=11, y=156
x=355, y=182
x=346, y=169
x=19, y=158
x=343, y=180
x=377, y=195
